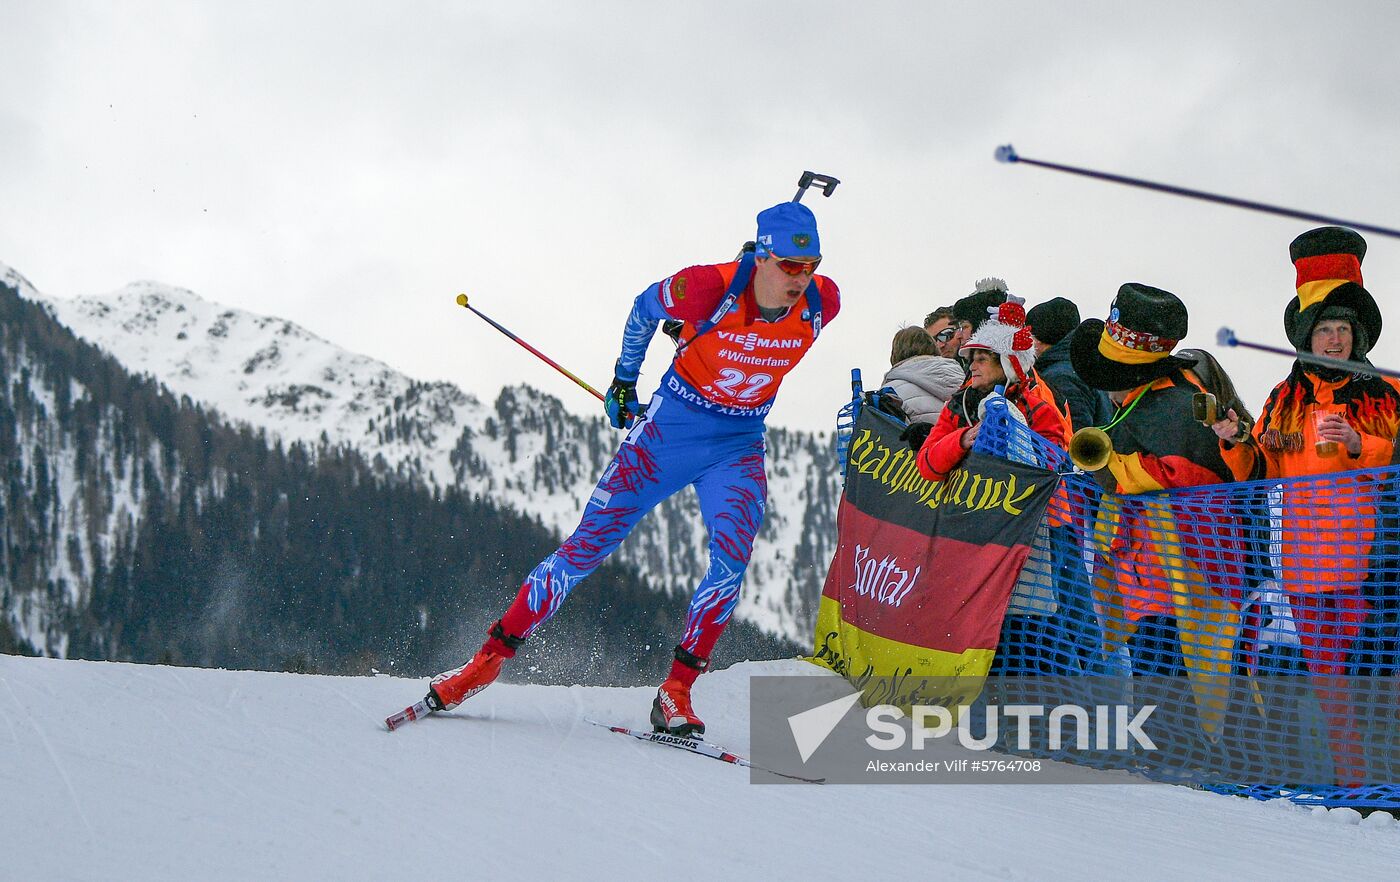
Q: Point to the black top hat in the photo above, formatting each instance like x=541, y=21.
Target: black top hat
x=1328, y=260
x=1134, y=346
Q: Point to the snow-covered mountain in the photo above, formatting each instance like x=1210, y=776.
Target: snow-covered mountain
x=120, y=771
x=524, y=450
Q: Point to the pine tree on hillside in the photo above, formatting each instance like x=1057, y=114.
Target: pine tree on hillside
x=195, y=542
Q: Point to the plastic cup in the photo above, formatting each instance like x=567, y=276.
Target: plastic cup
x=1322, y=446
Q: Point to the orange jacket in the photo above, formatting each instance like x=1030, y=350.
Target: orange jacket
x=741, y=361
x=1327, y=529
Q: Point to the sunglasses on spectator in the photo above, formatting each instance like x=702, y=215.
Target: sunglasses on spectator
x=945, y=335
x=796, y=267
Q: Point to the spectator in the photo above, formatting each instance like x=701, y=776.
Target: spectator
x=1318, y=421
x=1167, y=566
x=939, y=325
x=971, y=311
x=1051, y=323
x=923, y=379
x=1155, y=444
x=1357, y=413
x=1001, y=353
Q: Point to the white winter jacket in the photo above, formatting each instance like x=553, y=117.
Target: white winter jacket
x=925, y=383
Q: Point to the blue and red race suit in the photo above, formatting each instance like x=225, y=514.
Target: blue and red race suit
x=704, y=427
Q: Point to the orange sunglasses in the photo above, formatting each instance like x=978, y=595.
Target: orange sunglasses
x=796, y=267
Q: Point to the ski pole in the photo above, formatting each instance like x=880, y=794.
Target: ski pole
x=1006, y=153
x=462, y=301
x=1226, y=337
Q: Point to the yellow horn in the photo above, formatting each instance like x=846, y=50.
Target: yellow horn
x=1090, y=448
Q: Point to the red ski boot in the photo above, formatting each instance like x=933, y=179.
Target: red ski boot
x=451, y=688
x=670, y=710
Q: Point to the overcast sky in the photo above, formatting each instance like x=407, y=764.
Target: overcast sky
x=353, y=166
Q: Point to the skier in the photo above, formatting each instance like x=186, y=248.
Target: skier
x=746, y=325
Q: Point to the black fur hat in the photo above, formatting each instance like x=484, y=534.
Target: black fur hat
x=1134, y=346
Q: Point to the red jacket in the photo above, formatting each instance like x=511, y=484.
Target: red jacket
x=943, y=451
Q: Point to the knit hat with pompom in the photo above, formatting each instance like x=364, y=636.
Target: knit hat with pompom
x=1006, y=334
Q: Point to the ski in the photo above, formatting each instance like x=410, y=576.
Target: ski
x=699, y=747
x=413, y=712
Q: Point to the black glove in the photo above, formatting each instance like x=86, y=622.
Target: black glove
x=915, y=434
x=620, y=403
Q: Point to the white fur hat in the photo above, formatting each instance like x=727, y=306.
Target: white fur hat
x=1006, y=334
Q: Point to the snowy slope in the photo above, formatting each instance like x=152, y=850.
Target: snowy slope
x=525, y=451
x=114, y=771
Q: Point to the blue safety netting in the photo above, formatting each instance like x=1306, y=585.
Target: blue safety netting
x=1265, y=614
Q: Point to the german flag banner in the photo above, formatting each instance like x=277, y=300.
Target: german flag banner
x=923, y=572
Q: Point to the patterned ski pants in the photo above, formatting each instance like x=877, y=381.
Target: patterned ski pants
x=672, y=446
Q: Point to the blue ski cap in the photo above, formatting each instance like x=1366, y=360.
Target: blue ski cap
x=788, y=229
